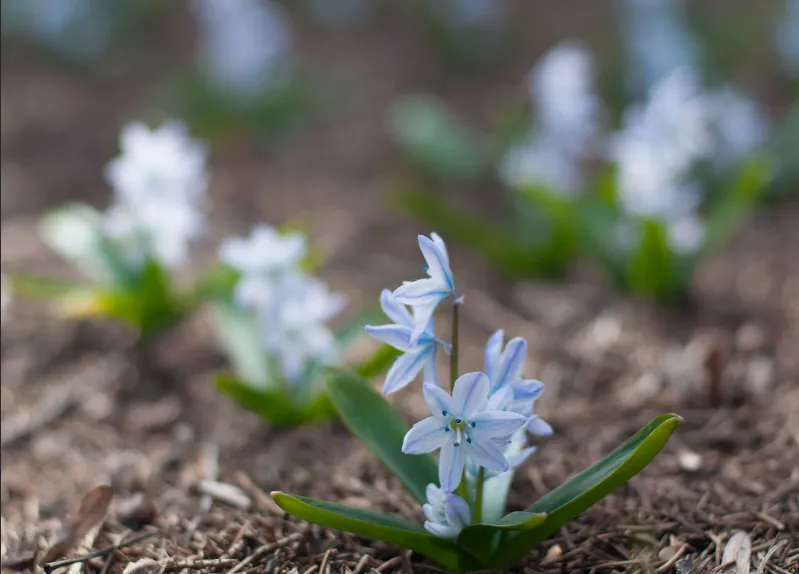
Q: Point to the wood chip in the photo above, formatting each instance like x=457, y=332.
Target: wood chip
x=738, y=552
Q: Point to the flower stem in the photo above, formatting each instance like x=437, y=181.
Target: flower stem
x=478, y=497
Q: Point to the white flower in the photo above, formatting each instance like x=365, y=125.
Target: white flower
x=686, y=233
x=447, y=514
x=244, y=43
x=162, y=165
x=787, y=39
x=463, y=428
x=657, y=39
x=293, y=324
x=416, y=356
x=541, y=162
x=739, y=124
x=561, y=86
x=163, y=230
x=260, y=257
x=424, y=295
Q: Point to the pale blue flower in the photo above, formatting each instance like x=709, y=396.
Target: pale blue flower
x=787, y=39
x=447, y=514
x=417, y=356
x=463, y=428
x=424, y=295
x=739, y=124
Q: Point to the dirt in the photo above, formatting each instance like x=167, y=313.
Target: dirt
x=84, y=404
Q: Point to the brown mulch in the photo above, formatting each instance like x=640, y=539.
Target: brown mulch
x=83, y=405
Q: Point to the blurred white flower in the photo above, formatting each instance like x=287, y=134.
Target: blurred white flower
x=686, y=233
x=163, y=230
x=739, y=126
x=541, y=162
x=563, y=95
x=260, y=258
x=787, y=39
x=294, y=326
x=567, y=111
x=161, y=164
x=657, y=40
x=244, y=44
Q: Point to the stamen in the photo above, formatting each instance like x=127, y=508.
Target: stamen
x=473, y=424
x=444, y=413
x=458, y=421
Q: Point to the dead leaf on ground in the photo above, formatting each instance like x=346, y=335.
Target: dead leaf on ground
x=90, y=512
x=21, y=563
x=738, y=551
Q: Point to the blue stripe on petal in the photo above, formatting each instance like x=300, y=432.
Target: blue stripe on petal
x=397, y=336
x=437, y=400
x=425, y=436
x=496, y=424
x=395, y=310
x=470, y=393
x=511, y=362
x=450, y=465
x=403, y=371
x=437, y=264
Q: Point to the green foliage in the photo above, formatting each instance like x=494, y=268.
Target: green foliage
x=494, y=544
x=436, y=143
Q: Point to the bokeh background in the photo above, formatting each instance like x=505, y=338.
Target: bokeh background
x=74, y=72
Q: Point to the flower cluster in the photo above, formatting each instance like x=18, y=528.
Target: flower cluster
x=661, y=143
x=158, y=184
x=292, y=308
x=244, y=45
x=479, y=426
x=567, y=111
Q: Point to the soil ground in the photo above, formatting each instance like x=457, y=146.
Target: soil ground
x=83, y=405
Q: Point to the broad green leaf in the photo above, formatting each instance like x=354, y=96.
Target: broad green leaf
x=368, y=416
x=43, y=287
x=652, y=269
x=238, y=335
x=216, y=283
x=436, y=142
x=379, y=362
x=74, y=231
x=274, y=405
x=355, y=328
x=483, y=539
x=587, y=488
x=374, y=525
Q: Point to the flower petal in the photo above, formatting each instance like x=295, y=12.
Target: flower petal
x=395, y=310
x=492, y=354
x=511, y=362
x=420, y=292
x=538, y=426
x=518, y=459
x=450, y=465
x=437, y=399
x=486, y=453
x=441, y=245
x=423, y=319
x=425, y=436
x=435, y=495
x=398, y=336
x=437, y=263
x=430, y=369
x=403, y=371
x=527, y=389
x=495, y=424
x=470, y=394
x=457, y=510
x=442, y=530
x=500, y=400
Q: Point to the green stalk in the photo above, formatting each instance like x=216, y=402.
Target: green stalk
x=462, y=490
x=478, y=498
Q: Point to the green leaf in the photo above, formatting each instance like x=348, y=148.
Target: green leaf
x=275, y=405
x=587, y=488
x=216, y=282
x=436, y=142
x=74, y=231
x=499, y=247
x=355, y=328
x=652, y=269
x=374, y=525
x=484, y=539
x=238, y=335
x=368, y=416
x=379, y=362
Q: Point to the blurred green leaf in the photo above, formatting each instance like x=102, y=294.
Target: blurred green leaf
x=652, y=267
x=436, y=143
x=368, y=416
x=499, y=247
x=378, y=363
x=239, y=336
x=584, y=490
x=277, y=406
x=374, y=525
